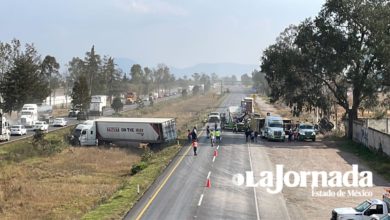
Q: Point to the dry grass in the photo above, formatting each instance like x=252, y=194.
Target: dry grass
x=65, y=185
x=71, y=183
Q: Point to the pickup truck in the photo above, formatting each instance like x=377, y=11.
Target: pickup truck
x=41, y=126
x=368, y=210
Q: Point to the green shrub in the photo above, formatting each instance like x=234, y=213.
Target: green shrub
x=138, y=167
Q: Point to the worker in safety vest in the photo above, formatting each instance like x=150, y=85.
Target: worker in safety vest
x=218, y=135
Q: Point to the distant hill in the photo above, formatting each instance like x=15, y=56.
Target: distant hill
x=221, y=69
x=124, y=63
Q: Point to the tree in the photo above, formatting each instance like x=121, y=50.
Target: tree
x=246, y=80
x=81, y=93
x=117, y=104
x=341, y=50
x=49, y=68
x=111, y=78
x=343, y=46
x=92, y=63
x=24, y=82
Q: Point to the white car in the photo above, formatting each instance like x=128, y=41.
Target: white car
x=41, y=126
x=18, y=130
x=59, y=122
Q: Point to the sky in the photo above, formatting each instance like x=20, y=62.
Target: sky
x=179, y=33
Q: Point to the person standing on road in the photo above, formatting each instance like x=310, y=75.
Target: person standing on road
x=218, y=136
x=194, y=134
x=189, y=135
x=208, y=131
x=256, y=135
x=212, y=137
x=195, y=146
x=247, y=134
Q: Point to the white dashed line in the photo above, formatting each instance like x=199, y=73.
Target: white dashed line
x=200, y=200
x=208, y=175
x=213, y=159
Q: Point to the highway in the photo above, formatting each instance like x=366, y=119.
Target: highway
x=181, y=192
x=72, y=121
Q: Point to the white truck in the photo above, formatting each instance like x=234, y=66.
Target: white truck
x=143, y=130
x=97, y=105
x=29, y=115
x=273, y=128
x=372, y=209
x=45, y=113
x=5, y=133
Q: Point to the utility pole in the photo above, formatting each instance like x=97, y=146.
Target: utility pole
x=221, y=87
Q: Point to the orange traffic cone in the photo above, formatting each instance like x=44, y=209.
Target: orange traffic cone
x=208, y=183
x=215, y=153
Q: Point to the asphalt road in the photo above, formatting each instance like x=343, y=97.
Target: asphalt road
x=72, y=121
x=181, y=192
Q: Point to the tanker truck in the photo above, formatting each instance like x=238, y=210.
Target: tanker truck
x=142, y=130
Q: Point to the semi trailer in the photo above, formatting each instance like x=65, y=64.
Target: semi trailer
x=143, y=130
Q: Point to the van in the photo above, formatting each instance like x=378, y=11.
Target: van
x=273, y=128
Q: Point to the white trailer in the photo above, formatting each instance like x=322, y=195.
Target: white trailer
x=97, y=105
x=143, y=130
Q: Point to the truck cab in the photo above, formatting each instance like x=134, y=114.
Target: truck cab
x=273, y=128
x=84, y=134
x=29, y=115
x=367, y=210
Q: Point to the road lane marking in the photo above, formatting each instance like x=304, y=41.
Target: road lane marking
x=254, y=188
x=162, y=184
x=217, y=147
x=208, y=175
x=213, y=159
x=200, y=200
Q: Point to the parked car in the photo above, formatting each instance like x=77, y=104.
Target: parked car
x=59, y=122
x=82, y=116
x=18, y=130
x=306, y=131
x=41, y=126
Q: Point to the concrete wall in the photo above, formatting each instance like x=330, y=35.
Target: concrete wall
x=370, y=137
x=382, y=125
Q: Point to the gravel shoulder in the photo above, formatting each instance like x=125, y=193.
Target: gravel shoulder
x=316, y=156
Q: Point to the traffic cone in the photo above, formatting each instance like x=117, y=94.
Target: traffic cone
x=215, y=153
x=208, y=183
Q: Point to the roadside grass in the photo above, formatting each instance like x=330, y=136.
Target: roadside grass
x=18, y=151
x=125, y=198
x=71, y=181
x=377, y=161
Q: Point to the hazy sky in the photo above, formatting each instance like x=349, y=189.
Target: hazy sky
x=177, y=33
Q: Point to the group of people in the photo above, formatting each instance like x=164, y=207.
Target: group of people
x=213, y=135
x=250, y=134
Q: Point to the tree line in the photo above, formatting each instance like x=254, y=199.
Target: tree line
x=344, y=50
x=27, y=78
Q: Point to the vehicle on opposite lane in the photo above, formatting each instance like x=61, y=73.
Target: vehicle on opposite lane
x=18, y=130
x=41, y=126
x=59, y=122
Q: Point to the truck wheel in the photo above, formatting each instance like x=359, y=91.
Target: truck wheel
x=314, y=139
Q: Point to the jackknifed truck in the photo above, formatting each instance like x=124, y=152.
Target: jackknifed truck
x=142, y=130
